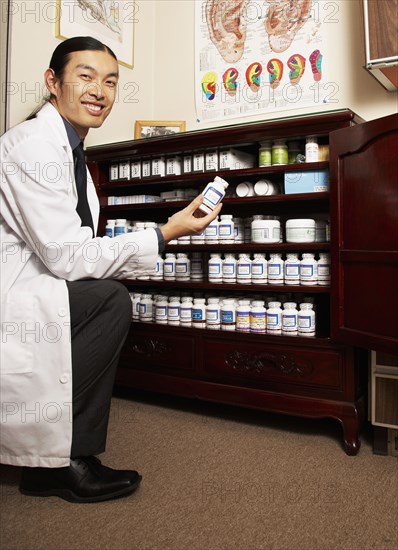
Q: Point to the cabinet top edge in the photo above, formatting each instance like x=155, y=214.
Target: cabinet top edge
x=233, y=134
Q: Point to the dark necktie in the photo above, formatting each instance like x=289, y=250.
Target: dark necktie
x=82, y=207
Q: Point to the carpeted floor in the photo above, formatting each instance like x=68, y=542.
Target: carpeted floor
x=218, y=478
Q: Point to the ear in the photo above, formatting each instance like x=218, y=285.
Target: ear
x=51, y=82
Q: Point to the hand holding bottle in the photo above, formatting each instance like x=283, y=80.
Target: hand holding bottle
x=189, y=221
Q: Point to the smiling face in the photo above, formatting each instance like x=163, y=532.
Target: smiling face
x=86, y=93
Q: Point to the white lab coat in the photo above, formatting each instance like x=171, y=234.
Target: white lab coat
x=42, y=246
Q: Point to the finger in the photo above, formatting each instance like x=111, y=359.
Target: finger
x=194, y=205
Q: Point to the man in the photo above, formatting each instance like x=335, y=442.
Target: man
x=64, y=318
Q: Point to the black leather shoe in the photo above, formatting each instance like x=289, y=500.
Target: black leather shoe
x=85, y=480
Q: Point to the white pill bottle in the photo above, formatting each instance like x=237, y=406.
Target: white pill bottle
x=213, y=194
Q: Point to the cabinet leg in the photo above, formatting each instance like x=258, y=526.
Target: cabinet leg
x=352, y=423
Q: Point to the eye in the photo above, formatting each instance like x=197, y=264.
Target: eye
x=111, y=83
x=85, y=76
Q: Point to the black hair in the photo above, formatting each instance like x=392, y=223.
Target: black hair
x=62, y=52
x=61, y=56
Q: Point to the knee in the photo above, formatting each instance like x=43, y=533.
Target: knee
x=121, y=301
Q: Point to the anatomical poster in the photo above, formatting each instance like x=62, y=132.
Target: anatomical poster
x=256, y=56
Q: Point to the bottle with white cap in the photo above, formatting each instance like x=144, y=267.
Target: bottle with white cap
x=275, y=269
x=324, y=269
x=146, y=308
x=289, y=319
x=186, y=311
x=243, y=316
x=161, y=306
x=274, y=318
x=213, y=194
x=229, y=269
x=183, y=267
x=244, y=269
x=228, y=314
x=199, y=313
x=173, y=311
x=226, y=229
x=259, y=269
x=157, y=275
x=292, y=269
x=110, y=228
x=215, y=268
x=258, y=317
x=213, y=316
x=306, y=320
x=211, y=232
x=169, y=267
x=308, y=270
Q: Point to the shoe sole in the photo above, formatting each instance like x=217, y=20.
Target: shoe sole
x=70, y=496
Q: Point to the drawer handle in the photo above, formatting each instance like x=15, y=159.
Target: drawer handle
x=150, y=347
x=264, y=362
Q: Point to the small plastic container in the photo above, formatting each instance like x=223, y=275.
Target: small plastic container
x=245, y=189
x=300, y=230
x=199, y=313
x=265, y=154
x=173, y=311
x=213, y=315
x=243, y=316
x=157, y=275
x=265, y=187
x=306, y=320
x=289, y=319
x=229, y=269
x=311, y=149
x=146, y=308
x=280, y=154
x=186, y=311
x=110, y=228
x=215, y=268
x=120, y=227
x=258, y=317
x=211, y=232
x=274, y=318
x=266, y=231
x=226, y=229
x=228, y=314
x=213, y=194
x=244, y=269
x=294, y=151
x=183, y=267
x=169, y=267
x=259, y=269
x=308, y=270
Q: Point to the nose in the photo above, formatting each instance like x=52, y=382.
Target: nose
x=94, y=89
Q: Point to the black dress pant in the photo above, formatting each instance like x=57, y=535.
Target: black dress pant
x=100, y=313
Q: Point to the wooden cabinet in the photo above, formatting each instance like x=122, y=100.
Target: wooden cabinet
x=380, y=22
x=314, y=377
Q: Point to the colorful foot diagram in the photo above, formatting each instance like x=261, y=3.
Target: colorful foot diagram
x=316, y=65
x=209, y=85
x=275, y=69
x=253, y=73
x=296, y=64
x=229, y=79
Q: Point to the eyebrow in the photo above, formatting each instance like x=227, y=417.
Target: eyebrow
x=89, y=68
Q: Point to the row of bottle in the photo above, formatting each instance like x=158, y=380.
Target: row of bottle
x=228, y=230
x=244, y=270
x=230, y=314
x=279, y=152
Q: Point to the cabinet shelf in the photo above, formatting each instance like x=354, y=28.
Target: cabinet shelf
x=249, y=247
x=229, y=175
x=221, y=287
x=313, y=199
x=240, y=336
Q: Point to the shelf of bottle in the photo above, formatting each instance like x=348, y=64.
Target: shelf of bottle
x=246, y=337
x=231, y=201
x=249, y=247
x=204, y=177
x=206, y=285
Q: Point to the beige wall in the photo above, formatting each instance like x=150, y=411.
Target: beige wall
x=161, y=85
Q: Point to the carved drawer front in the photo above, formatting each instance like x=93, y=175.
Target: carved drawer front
x=265, y=364
x=150, y=349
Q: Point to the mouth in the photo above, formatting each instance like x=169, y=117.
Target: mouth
x=93, y=108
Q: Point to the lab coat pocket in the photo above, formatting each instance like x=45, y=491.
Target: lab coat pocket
x=20, y=334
